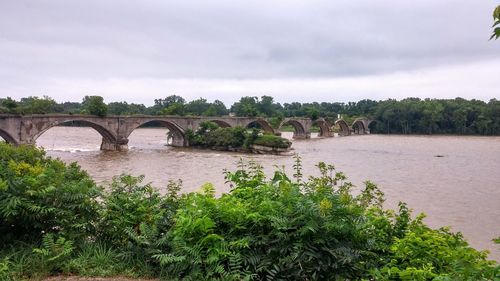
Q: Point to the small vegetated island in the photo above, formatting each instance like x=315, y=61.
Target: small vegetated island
x=210, y=135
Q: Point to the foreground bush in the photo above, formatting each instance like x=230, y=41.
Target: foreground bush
x=135, y=220
x=281, y=228
x=40, y=195
x=290, y=229
x=271, y=230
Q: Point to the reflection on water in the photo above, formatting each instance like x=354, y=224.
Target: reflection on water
x=461, y=189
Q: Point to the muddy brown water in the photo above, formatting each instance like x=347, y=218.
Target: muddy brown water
x=460, y=188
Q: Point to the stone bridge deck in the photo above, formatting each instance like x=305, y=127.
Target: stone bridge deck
x=115, y=130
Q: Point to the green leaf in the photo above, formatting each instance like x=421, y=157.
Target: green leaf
x=496, y=13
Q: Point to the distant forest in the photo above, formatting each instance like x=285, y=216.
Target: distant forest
x=407, y=116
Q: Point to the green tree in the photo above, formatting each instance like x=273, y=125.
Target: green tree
x=266, y=106
x=118, y=108
x=94, y=105
x=174, y=109
x=496, y=20
x=72, y=107
x=217, y=108
x=312, y=112
x=247, y=106
x=8, y=105
x=124, y=108
x=492, y=112
x=36, y=105
x=197, y=107
x=166, y=102
x=161, y=104
x=293, y=109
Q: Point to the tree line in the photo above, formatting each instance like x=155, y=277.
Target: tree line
x=407, y=116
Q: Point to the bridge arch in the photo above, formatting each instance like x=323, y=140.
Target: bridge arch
x=262, y=123
x=358, y=127
x=107, y=136
x=372, y=125
x=324, y=128
x=176, y=133
x=299, y=130
x=221, y=123
x=8, y=138
x=344, y=127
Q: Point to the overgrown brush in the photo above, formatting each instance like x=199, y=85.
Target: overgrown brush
x=210, y=135
x=293, y=229
x=277, y=228
x=40, y=195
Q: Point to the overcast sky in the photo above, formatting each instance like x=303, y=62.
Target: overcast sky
x=310, y=50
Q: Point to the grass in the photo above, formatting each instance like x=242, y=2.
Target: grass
x=93, y=259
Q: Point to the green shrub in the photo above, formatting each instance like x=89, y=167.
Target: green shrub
x=226, y=137
x=54, y=253
x=209, y=134
x=428, y=254
x=127, y=205
x=135, y=220
x=198, y=138
x=5, y=270
x=272, y=141
x=270, y=229
x=194, y=139
x=40, y=195
x=290, y=229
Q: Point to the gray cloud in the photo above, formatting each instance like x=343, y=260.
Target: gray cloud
x=45, y=42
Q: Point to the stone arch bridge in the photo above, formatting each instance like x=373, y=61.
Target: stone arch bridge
x=115, y=130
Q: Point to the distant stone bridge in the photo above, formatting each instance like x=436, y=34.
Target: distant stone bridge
x=115, y=130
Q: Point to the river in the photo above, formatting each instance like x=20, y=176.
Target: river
x=461, y=189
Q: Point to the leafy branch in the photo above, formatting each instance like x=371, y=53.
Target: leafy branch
x=496, y=24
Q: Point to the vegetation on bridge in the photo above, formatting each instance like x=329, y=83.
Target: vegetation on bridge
x=55, y=220
x=210, y=135
x=407, y=116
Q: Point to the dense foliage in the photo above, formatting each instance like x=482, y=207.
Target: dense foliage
x=407, y=116
x=210, y=135
x=41, y=195
x=94, y=105
x=496, y=22
x=278, y=228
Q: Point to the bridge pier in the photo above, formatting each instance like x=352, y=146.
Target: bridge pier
x=109, y=145
x=25, y=142
x=178, y=142
x=301, y=135
x=327, y=134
